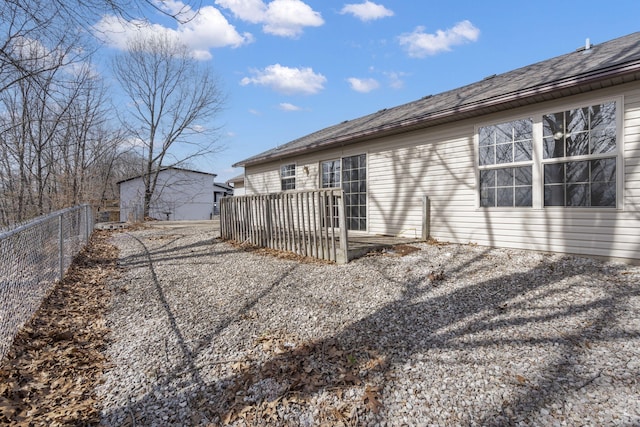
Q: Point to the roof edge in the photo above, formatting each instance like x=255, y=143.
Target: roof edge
x=164, y=169
x=477, y=107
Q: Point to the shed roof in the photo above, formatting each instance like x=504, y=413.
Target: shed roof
x=607, y=64
x=236, y=179
x=169, y=168
x=223, y=185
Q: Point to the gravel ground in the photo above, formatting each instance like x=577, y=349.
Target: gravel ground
x=205, y=333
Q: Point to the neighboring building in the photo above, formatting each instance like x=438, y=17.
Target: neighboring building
x=220, y=190
x=545, y=157
x=181, y=194
x=238, y=185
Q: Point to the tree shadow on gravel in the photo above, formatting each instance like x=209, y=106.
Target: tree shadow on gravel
x=187, y=371
x=348, y=376
x=167, y=251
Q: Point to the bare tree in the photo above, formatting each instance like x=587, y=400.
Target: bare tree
x=56, y=143
x=174, y=98
x=55, y=140
x=51, y=22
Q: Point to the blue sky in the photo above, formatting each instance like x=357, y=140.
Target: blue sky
x=291, y=67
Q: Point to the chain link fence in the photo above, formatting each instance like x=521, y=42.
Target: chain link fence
x=32, y=257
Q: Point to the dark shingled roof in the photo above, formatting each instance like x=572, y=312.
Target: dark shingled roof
x=607, y=64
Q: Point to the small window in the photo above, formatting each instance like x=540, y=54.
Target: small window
x=288, y=177
x=331, y=174
x=499, y=148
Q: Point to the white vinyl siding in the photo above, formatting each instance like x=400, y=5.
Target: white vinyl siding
x=440, y=162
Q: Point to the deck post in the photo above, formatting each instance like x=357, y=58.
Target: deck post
x=426, y=218
x=342, y=224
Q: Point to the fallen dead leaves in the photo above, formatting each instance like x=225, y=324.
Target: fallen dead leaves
x=296, y=373
x=55, y=362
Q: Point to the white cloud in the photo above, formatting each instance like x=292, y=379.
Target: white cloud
x=285, y=106
x=286, y=18
x=254, y=112
x=420, y=44
x=363, y=85
x=367, y=11
x=287, y=80
x=200, y=32
x=395, y=79
x=248, y=10
x=176, y=8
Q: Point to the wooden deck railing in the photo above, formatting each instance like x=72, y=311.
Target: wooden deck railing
x=309, y=223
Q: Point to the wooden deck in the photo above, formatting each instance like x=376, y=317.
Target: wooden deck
x=359, y=244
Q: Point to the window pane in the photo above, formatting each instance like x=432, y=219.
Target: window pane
x=504, y=153
x=523, y=197
x=603, y=170
x=485, y=136
x=577, y=120
x=578, y=144
x=287, y=171
x=552, y=124
x=603, y=194
x=553, y=148
x=554, y=173
x=488, y=197
x=578, y=195
x=522, y=151
x=603, y=141
x=504, y=133
x=522, y=129
x=554, y=133
x=487, y=178
x=504, y=177
x=505, y=196
x=577, y=171
x=487, y=155
x=554, y=195
x=331, y=174
x=603, y=116
x=523, y=176
x=288, y=184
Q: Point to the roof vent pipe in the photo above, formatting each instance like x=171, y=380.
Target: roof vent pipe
x=587, y=44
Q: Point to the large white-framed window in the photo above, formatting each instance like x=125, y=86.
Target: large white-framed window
x=505, y=157
x=288, y=177
x=561, y=157
x=580, y=154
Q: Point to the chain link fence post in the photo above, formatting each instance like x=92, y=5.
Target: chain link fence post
x=60, y=247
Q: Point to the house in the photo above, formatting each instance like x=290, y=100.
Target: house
x=545, y=157
x=238, y=185
x=181, y=194
x=220, y=190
